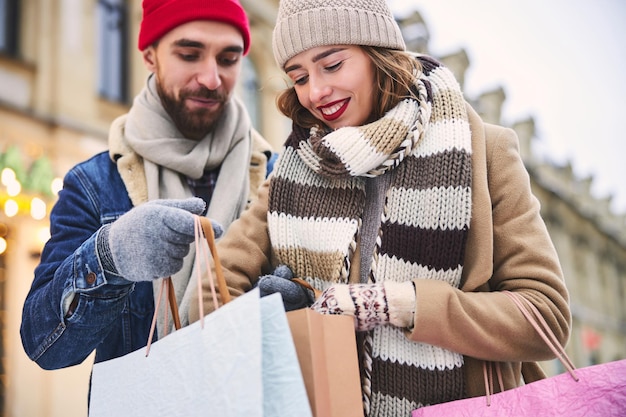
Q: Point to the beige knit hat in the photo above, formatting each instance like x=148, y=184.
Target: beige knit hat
x=304, y=24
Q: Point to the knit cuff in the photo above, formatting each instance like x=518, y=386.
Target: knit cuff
x=401, y=302
x=103, y=250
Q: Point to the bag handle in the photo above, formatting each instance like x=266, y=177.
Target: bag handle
x=305, y=284
x=534, y=317
x=205, y=228
x=204, y=237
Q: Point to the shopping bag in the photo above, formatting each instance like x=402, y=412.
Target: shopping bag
x=284, y=392
x=243, y=363
x=239, y=360
x=598, y=390
x=326, y=348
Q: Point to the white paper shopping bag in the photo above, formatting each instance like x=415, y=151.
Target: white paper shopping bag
x=242, y=363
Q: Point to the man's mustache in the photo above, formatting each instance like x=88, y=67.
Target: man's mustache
x=204, y=93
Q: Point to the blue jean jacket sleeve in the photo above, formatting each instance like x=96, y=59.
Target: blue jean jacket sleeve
x=70, y=270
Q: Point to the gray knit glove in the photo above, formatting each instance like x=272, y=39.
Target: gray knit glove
x=151, y=240
x=294, y=295
x=371, y=305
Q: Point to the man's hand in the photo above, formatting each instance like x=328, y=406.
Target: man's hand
x=151, y=240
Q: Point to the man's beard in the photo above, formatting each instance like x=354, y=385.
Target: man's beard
x=193, y=124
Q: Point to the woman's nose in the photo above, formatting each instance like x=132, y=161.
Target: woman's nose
x=318, y=89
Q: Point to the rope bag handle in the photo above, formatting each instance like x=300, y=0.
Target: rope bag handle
x=534, y=317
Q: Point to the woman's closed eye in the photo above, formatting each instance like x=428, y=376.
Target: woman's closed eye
x=301, y=80
x=334, y=67
x=329, y=68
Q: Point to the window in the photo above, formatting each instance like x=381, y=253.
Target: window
x=250, y=90
x=9, y=23
x=111, y=47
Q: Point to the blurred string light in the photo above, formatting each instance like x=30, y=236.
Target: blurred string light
x=26, y=191
x=3, y=242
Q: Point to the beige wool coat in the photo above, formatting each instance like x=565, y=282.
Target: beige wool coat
x=508, y=248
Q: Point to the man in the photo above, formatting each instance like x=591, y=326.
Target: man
x=125, y=217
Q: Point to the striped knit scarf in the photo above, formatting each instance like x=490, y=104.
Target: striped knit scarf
x=316, y=202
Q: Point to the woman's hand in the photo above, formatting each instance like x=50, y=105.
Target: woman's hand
x=371, y=305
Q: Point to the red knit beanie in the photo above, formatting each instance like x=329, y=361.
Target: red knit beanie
x=161, y=16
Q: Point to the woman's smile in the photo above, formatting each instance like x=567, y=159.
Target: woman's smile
x=334, y=110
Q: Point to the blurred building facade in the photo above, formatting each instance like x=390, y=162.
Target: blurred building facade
x=589, y=238
x=69, y=67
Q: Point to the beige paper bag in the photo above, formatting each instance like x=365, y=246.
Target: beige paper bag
x=326, y=349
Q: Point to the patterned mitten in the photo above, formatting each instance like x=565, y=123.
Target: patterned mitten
x=371, y=304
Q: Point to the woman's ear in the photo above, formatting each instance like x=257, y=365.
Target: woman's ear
x=149, y=58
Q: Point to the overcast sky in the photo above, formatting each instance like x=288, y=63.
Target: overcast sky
x=563, y=62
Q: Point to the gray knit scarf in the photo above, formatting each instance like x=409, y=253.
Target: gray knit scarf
x=168, y=157
x=315, y=211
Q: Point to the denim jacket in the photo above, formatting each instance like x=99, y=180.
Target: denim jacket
x=113, y=315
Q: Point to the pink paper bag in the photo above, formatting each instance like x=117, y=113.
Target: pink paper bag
x=599, y=392
x=594, y=391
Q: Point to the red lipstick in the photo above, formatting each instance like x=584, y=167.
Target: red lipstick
x=334, y=110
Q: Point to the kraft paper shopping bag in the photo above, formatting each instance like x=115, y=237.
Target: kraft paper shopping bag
x=326, y=347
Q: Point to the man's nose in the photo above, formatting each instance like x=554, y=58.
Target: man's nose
x=209, y=75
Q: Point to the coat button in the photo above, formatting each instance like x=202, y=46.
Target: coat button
x=91, y=278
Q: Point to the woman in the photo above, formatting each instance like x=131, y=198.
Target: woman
x=393, y=198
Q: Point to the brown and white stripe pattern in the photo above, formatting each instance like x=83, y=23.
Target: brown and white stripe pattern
x=316, y=201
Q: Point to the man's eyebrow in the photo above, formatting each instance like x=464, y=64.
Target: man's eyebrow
x=234, y=48
x=190, y=43
x=317, y=57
